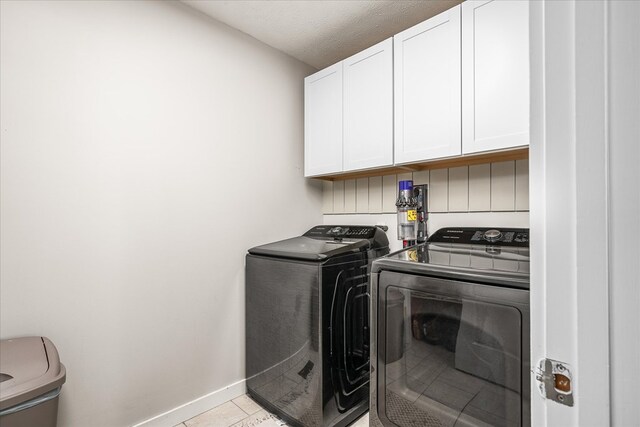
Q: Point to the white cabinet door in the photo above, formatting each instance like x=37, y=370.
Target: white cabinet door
x=323, y=122
x=368, y=108
x=495, y=74
x=427, y=89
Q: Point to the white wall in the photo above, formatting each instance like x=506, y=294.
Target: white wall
x=144, y=149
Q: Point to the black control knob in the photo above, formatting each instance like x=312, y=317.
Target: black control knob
x=492, y=236
x=338, y=231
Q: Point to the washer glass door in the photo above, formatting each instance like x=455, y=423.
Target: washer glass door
x=451, y=353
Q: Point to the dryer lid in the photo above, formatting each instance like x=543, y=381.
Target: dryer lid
x=326, y=241
x=309, y=249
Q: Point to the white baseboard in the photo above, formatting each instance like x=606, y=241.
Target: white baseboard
x=191, y=409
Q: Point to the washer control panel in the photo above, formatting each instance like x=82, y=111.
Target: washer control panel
x=342, y=231
x=483, y=236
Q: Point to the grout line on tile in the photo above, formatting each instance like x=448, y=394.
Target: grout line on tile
x=232, y=401
x=490, y=187
x=468, y=191
x=448, y=190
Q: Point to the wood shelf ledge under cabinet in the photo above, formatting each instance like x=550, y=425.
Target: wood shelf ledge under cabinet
x=448, y=162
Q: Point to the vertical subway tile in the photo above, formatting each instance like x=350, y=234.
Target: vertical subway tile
x=459, y=189
x=327, y=197
x=522, y=185
x=338, y=196
x=350, y=196
x=421, y=177
x=438, y=190
x=408, y=176
x=389, y=193
x=503, y=183
x=502, y=186
x=480, y=188
x=362, y=195
x=375, y=194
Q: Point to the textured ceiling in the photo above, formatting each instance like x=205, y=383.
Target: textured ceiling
x=321, y=32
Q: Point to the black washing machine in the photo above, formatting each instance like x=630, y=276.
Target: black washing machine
x=450, y=334
x=307, y=324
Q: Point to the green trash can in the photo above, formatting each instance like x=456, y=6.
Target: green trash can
x=31, y=377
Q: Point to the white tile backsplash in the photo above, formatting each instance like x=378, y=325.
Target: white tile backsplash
x=389, y=193
x=480, y=188
x=459, y=189
x=503, y=186
x=522, y=185
x=362, y=195
x=327, y=196
x=375, y=194
x=489, y=187
x=421, y=177
x=350, y=196
x=404, y=177
x=439, y=190
x=338, y=197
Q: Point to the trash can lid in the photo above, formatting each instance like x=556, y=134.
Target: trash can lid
x=29, y=367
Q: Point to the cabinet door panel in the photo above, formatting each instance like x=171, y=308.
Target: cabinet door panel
x=368, y=108
x=323, y=122
x=427, y=89
x=495, y=74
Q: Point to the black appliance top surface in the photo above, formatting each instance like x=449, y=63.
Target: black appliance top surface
x=326, y=241
x=464, y=254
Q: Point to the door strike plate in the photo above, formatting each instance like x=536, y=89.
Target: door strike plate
x=555, y=381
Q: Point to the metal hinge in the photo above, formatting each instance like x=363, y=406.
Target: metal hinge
x=555, y=381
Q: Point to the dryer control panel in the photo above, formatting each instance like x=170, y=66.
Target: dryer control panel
x=483, y=236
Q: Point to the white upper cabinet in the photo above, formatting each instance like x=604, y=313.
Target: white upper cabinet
x=455, y=84
x=495, y=74
x=427, y=75
x=368, y=108
x=323, y=122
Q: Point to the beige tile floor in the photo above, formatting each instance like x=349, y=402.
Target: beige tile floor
x=244, y=412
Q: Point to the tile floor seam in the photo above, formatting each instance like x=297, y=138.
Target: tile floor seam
x=270, y=418
x=238, y=406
